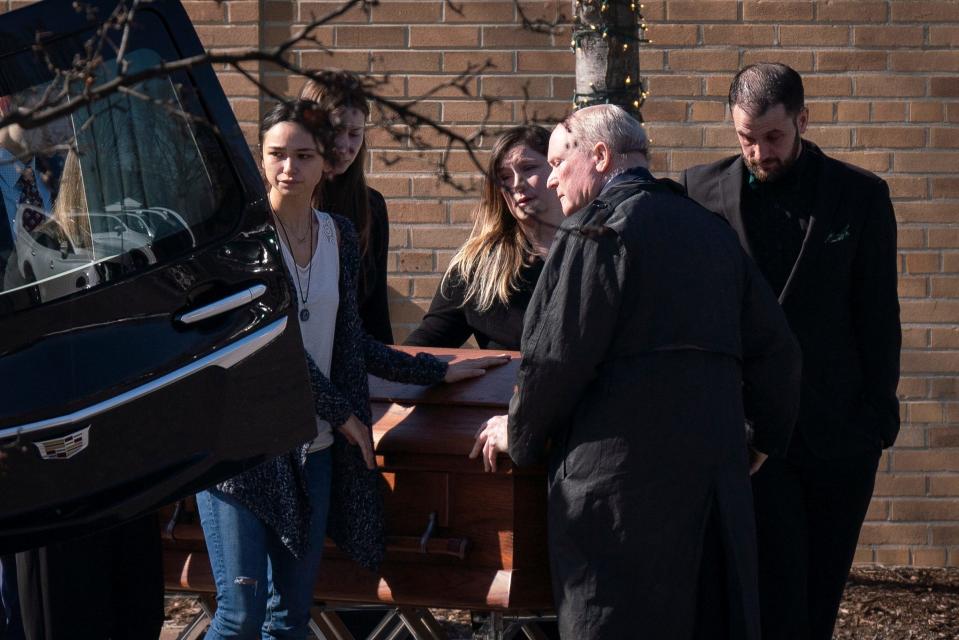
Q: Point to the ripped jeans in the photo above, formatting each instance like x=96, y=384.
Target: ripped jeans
x=262, y=590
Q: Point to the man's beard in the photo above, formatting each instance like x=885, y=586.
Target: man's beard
x=779, y=169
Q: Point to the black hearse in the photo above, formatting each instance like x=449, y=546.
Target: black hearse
x=147, y=343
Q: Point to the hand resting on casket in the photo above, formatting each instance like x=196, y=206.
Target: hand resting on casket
x=473, y=368
x=491, y=439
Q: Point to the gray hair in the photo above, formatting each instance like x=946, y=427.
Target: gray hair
x=611, y=124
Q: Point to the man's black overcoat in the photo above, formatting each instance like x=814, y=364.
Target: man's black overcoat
x=841, y=301
x=649, y=338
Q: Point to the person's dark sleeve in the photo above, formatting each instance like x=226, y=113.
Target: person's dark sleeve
x=772, y=365
x=328, y=402
x=390, y=364
x=569, y=326
x=875, y=311
x=374, y=301
x=445, y=324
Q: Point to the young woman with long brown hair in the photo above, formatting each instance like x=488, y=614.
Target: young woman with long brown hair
x=346, y=193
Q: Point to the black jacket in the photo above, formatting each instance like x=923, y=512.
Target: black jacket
x=841, y=301
x=650, y=337
x=451, y=321
x=372, y=294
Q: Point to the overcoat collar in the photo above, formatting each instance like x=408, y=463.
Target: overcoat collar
x=825, y=202
x=611, y=195
x=641, y=174
x=625, y=184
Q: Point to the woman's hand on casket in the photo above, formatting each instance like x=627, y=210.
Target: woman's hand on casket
x=491, y=439
x=474, y=368
x=357, y=433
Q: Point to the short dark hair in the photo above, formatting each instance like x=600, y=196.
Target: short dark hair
x=761, y=86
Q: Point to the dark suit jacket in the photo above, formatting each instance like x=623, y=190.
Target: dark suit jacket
x=841, y=301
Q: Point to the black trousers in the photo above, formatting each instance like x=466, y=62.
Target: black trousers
x=108, y=585
x=714, y=591
x=809, y=513
x=10, y=627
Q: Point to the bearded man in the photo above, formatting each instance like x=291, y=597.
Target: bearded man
x=649, y=338
x=824, y=236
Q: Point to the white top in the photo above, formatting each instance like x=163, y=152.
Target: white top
x=319, y=283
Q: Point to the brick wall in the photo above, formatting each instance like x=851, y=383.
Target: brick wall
x=882, y=80
x=882, y=83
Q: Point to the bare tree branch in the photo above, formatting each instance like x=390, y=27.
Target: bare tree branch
x=541, y=25
x=80, y=85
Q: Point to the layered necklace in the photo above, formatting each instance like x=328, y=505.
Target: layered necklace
x=304, y=296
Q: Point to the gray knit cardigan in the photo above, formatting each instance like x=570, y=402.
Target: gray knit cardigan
x=275, y=491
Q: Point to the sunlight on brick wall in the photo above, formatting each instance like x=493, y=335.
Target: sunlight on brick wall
x=882, y=84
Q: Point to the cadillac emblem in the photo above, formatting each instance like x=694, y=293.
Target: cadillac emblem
x=65, y=447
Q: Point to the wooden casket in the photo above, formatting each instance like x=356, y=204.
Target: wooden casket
x=457, y=536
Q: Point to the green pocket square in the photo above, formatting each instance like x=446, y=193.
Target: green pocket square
x=838, y=236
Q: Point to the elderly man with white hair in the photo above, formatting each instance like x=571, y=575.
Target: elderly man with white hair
x=650, y=340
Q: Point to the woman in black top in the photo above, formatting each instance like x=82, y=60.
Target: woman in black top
x=489, y=282
x=346, y=193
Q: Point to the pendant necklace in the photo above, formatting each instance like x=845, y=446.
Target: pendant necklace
x=304, y=312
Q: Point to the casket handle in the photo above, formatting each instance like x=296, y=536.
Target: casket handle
x=425, y=538
x=427, y=544
x=456, y=547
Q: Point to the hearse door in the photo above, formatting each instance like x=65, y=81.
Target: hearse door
x=149, y=346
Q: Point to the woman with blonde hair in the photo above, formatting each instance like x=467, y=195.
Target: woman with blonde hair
x=489, y=282
x=70, y=208
x=346, y=193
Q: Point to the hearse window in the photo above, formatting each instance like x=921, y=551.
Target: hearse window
x=125, y=183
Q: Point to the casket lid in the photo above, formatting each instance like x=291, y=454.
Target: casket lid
x=491, y=390
x=442, y=419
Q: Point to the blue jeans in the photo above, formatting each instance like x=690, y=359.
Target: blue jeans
x=10, y=626
x=262, y=590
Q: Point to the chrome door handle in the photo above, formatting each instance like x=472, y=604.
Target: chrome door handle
x=224, y=358
x=223, y=305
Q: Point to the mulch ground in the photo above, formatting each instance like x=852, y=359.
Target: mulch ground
x=900, y=604
x=880, y=603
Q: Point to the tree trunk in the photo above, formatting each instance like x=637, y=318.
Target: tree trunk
x=606, y=39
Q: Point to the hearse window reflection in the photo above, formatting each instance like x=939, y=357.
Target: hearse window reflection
x=125, y=183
